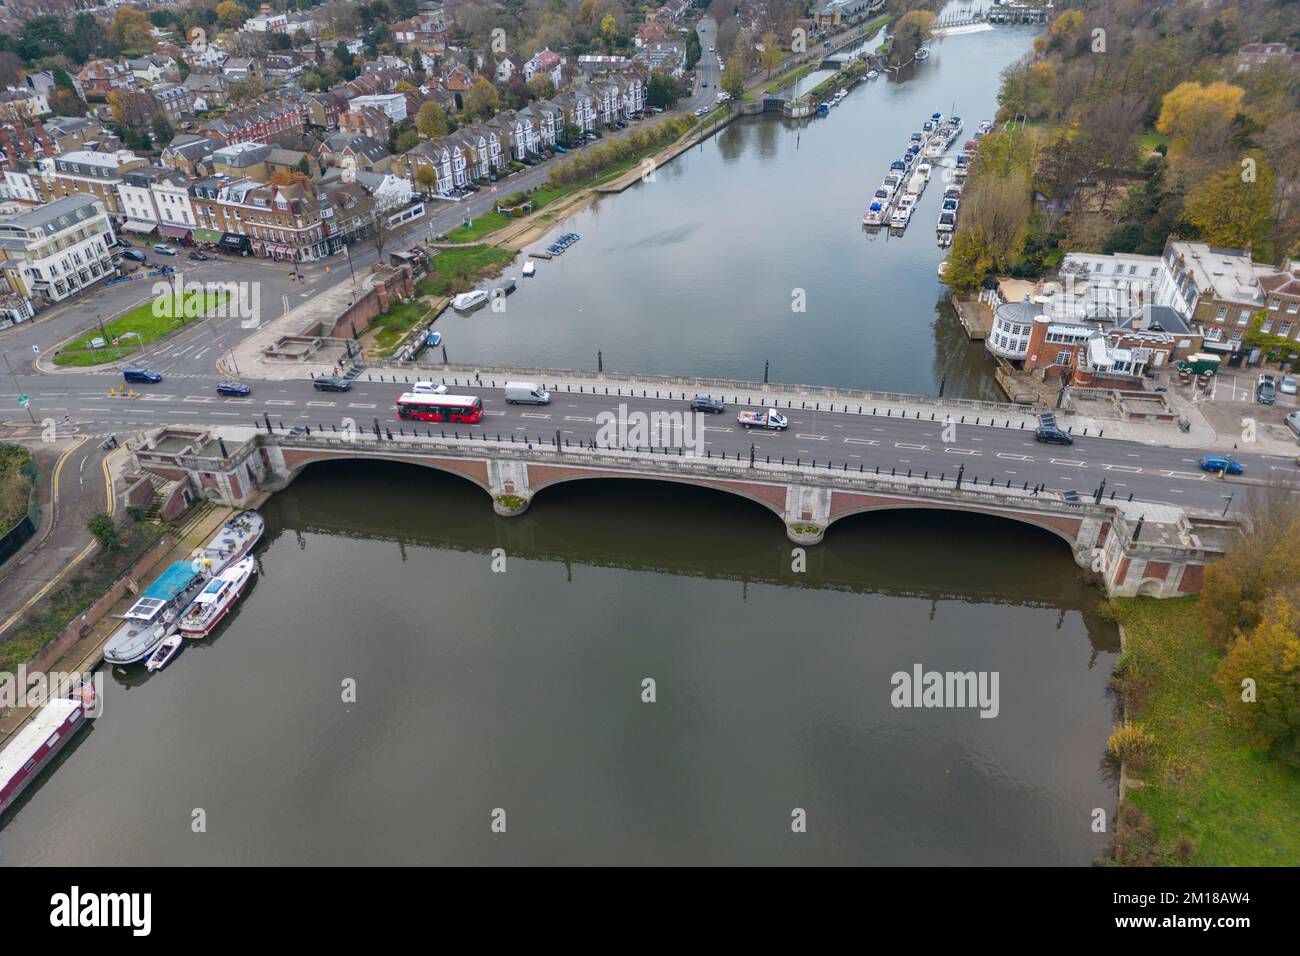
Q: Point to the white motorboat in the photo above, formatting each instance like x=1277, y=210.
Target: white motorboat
x=217, y=598
x=530, y=269
x=872, y=74
x=161, y=657
x=923, y=54
x=924, y=168
x=467, y=301
x=875, y=215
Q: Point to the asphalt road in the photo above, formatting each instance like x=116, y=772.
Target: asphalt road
x=1152, y=473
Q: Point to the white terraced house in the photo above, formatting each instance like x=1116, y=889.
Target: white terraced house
x=604, y=95
x=543, y=123
x=56, y=250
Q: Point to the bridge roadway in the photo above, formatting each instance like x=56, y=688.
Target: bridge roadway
x=998, y=453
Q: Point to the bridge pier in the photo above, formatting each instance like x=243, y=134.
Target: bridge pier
x=807, y=513
x=508, y=483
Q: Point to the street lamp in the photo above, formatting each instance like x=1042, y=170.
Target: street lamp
x=1228, y=505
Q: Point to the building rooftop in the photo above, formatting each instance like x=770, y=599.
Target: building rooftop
x=53, y=217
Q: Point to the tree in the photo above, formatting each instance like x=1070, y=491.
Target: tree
x=117, y=108
x=999, y=208
x=66, y=103
x=608, y=28
x=162, y=131
x=431, y=121
x=241, y=92
x=131, y=29
x=967, y=263
x=406, y=141
x=231, y=14
x=1237, y=587
x=482, y=98
x=342, y=54
x=426, y=178
x=1267, y=662
x=542, y=87
x=662, y=90
x=11, y=69
x=733, y=77
x=104, y=529
x=1232, y=208
x=913, y=30
x=771, y=56
x=1199, y=117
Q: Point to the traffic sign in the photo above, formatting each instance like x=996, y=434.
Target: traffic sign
x=36, y=349
x=24, y=401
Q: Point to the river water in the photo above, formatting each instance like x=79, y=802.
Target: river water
x=699, y=271
x=514, y=692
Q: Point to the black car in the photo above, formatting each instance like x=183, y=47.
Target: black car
x=233, y=388
x=1052, y=436
x=198, y=257
x=331, y=384
x=707, y=403
x=143, y=376
x=135, y=255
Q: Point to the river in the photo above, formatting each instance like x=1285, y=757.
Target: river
x=516, y=694
x=700, y=271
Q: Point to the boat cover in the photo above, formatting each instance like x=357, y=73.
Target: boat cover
x=172, y=582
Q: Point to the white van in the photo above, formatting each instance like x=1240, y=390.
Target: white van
x=429, y=388
x=526, y=393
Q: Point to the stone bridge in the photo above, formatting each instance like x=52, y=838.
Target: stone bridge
x=1160, y=552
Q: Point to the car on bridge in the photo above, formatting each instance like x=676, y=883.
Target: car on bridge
x=328, y=383
x=1224, y=464
x=231, y=387
x=1052, y=435
x=707, y=403
x=141, y=376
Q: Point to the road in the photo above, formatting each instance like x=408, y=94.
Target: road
x=1152, y=473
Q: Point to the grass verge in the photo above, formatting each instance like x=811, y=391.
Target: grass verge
x=1236, y=806
x=456, y=270
x=140, y=326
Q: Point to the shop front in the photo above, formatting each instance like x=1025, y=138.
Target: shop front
x=235, y=242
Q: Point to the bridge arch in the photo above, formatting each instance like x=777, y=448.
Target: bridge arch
x=456, y=467
x=1044, y=523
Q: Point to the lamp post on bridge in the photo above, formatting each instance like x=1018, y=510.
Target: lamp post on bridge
x=1228, y=505
x=1101, y=490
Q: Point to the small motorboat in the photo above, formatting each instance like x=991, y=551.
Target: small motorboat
x=161, y=657
x=506, y=287
x=433, y=340
x=468, y=301
x=923, y=54
x=875, y=215
x=530, y=269
x=872, y=74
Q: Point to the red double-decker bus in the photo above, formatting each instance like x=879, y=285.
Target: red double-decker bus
x=467, y=409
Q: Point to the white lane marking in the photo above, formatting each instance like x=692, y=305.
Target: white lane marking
x=205, y=399
x=1066, y=461
x=903, y=444
x=279, y=401
x=1184, y=475
x=1127, y=469
x=230, y=414
x=238, y=401
x=323, y=404
x=201, y=353
x=1003, y=454
x=156, y=398
x=578, y=418
x=962, y=451
x=367, y=405
x=485, y=413
x=812, y=437
x=533, y=415
x=861, y=441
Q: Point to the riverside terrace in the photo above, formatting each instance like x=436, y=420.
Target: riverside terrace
x=1135, y=548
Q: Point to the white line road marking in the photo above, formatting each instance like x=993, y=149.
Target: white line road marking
x=812, y=437
x=861, y=441
x=1066, y=461
x=1186, y=476
x=1003, y=454
x=1131, y=455
x=230, y=414
x=238, y=401
x=371, y=405
x=279, y=401
x=533, y=415
x=962, y=451
x=322, y=404
x=485, y=413
x=578, y=418
x=201, y=353
x=902, y=444
x=156, y=398
x=713, y=428
x=205, y=399
x=1127, y=469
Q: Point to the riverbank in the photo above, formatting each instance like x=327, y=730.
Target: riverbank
x=1210, y=801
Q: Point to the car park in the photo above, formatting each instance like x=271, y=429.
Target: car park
x=231, y=387
x=141, y=376
x=329, y=383
x=1224, y=464
x=707, y=403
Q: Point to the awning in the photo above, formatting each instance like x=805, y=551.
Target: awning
x=175, y=232
x=1219, y=346
x=206, y=235
x=142, y=227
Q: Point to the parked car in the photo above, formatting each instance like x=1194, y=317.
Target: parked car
x=707, y=403
x=328, y=383
x=199, y=256
x=164, y=250
x=141, y=376
x=135, y=255
x=238, y=389
x=1288, y=385
x=122, y=243
x=1222, y=463
x=1266, y=391
x=1293, y=423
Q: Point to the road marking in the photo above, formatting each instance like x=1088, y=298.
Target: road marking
x=1127, y=469
x=485, y=413
x=231, y=414
x=713, y=428
x=1003, y=454
x=238, y=401
x=1185, y=476
x=365, y=405
x=861, y=441
x=578, y=418
x=812, y=437
x=205, y=399
x=200, y=353
x=1066, y=461
x=962, y=451
x=902, y=444
x=533, y=415
x=279, y=401
x=323, y=404
x=156, y=398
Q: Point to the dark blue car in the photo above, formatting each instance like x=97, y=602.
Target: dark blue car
x=233, y=388
x=1222, y=463
x=707, y=403
x=142, y=376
